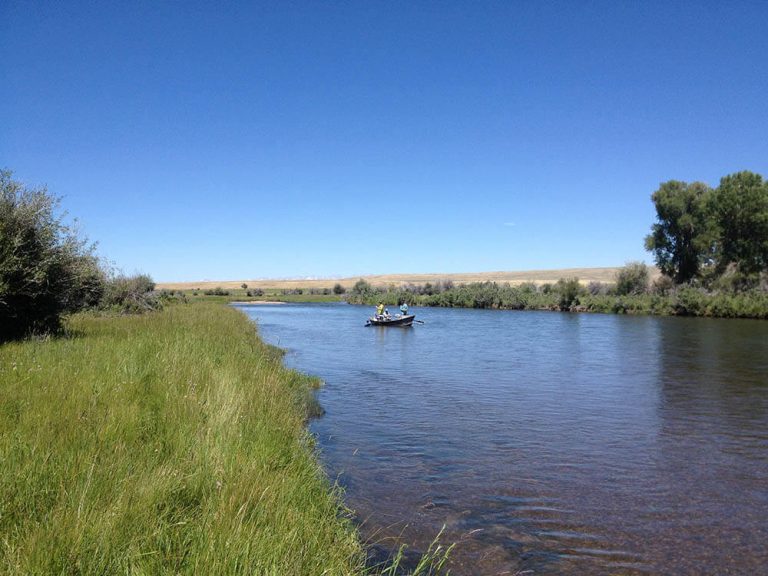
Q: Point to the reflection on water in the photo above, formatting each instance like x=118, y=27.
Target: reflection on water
x=555, y=443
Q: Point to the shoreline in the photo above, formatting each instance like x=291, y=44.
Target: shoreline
x=256, y=302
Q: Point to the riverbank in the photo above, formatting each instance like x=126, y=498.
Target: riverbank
x=168, y=443
x=571, y=296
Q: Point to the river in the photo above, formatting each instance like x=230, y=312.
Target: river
x=544, y=442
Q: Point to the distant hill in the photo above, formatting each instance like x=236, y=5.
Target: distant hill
x=585, y=275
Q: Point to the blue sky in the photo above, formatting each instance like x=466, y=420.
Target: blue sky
x=293, y=139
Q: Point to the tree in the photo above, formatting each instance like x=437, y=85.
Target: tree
x=632, y=279
x=568, y=290
x=46, y=270
x=362, y=288
x=338, y=289
x=682, y=238
x=740, y=211
x=244, y=286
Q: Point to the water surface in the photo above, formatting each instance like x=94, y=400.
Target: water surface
x=545, y=442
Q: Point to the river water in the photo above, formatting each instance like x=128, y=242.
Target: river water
x=545, y=443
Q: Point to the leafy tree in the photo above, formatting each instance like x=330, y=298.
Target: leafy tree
x=46, y=270
x=632, y=279
x=568, y=291
x=681, y=240
x=338, y=289
x=740, y=210
x=362, y=288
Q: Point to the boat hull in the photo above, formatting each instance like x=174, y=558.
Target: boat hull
x=402, y=321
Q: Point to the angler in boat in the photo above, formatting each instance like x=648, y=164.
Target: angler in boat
x=382, y=317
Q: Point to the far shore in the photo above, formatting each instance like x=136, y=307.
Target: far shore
x=585, y=276
x=253, y=302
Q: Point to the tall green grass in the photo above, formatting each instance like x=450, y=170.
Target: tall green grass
x=168, y=443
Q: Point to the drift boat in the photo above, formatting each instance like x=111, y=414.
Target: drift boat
x=398, y=320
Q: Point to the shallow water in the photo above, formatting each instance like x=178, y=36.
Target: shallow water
x=546, y=442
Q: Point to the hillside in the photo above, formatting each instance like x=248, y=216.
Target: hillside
x=585, y=275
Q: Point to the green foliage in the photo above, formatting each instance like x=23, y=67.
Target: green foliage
x=569, y=295
x=338, y=289
x=362, y=288
x=46, y=270
x=598, y=288
x=362, y=292
x=632, y=279
x=218, y=291
x=131, y=294
x=740, y=211
x=703, y=234
x=568, y=291
x=681, y=239
x=663, y=285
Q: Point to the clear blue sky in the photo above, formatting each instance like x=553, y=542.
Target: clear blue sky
x=289, y=139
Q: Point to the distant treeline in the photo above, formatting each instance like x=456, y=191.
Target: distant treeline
x=711, y=245
x=337, y=290
x=570, y=295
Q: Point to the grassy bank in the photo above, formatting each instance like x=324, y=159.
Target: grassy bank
x=168, y=443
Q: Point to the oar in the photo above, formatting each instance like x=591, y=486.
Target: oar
x=419, y=321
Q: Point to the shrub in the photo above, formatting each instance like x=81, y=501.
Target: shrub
x=688, y=301
x=131, y=294
x=567, y=290
x=663, y=285
x=733, y=280
x=632, y=279
x=46, y=270
x=597, y=288
x=175, y=296
x=218, y=291
x=339, y=289
x=362, y=287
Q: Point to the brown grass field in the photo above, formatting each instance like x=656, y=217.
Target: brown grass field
x=585, y=275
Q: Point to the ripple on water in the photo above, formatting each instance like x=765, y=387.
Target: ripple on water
x=553, y=443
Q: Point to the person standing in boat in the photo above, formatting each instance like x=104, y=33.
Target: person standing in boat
x=404, y=309
x=380, y=310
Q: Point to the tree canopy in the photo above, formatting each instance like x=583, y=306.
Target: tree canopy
x=45, y=268
x=681, y=238
x=739, y=209
x=702, y=231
